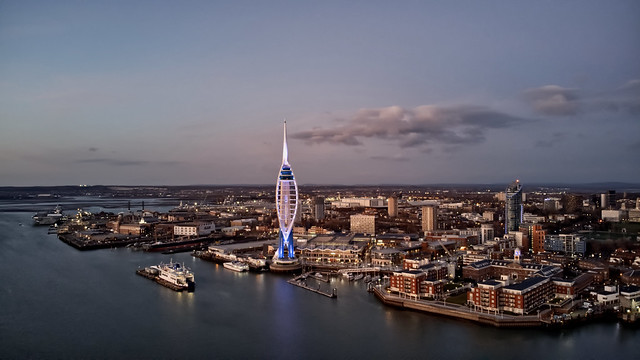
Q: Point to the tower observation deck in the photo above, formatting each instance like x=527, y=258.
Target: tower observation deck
x=286, y=207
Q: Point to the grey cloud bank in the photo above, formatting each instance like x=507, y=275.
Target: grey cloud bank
x=420, y=126
x=554, y=100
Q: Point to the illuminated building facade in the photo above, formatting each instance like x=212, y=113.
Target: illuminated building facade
x=286, y=204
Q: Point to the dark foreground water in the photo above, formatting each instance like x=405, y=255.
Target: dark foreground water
x=57, y=302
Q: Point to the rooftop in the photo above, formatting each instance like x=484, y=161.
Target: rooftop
x=527, y=283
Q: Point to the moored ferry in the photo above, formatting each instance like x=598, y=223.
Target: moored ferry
x=172, y=275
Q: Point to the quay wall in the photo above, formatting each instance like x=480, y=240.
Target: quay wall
x=457, y=311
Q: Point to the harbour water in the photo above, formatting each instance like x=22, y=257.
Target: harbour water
x=58, y=302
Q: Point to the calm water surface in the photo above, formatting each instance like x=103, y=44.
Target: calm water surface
x=57, y=302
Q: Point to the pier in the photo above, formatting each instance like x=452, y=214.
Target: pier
x=299, y=282
x=360, y=270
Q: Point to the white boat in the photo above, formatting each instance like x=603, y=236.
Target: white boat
x=176, y=275
x=358, y=277
x=236, y=266
x=256, y=262
x=221, y=256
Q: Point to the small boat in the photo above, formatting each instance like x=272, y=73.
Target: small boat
x=236, y=266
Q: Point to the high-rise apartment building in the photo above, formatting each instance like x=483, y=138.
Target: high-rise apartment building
x=429, y=218
x=318, y=208
x=392, y=206
x=536, y=236
x=513, y=207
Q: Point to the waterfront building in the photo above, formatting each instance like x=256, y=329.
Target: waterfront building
x=392, y=206
x=416, y=283
x=485, y=295
x=630, y=299
x=386, y=257
x=520, y=298
x=131, y=228
x=513, y=207
x=524, y=297
x=364, y=224
x=407, y=282
x=194, y=229
x=286, y=208
x=569, y=288
x=429, y=218
x=607, y=298
x=334, y=250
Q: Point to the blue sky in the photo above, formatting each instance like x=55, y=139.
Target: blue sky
x=415, y=92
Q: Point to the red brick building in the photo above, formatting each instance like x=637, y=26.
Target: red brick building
x=520, y=298
x=426, y=281
x=569, y=288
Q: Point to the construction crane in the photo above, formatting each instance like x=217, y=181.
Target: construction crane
x=452, y=261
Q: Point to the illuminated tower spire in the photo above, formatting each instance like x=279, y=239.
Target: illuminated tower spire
x=286, y=204
x=285, y=149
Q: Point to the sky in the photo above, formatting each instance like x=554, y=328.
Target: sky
x=374, y=92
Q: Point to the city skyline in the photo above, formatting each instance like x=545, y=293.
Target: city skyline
x=374, y=93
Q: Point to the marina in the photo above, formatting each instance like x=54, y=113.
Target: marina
x=300, y=281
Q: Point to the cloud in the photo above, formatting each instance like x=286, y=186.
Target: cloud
x=93, y=149
x=553, y=100
x=417, y=127
x=119, y=162
x=623, y=99
x=390, y=158
x=550, y=141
